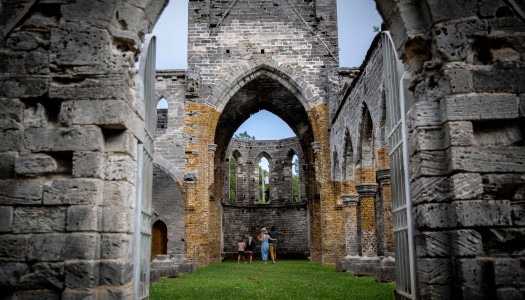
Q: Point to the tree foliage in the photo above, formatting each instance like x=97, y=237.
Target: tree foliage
x=264, y=174
x=295, y=179
x=244, y=136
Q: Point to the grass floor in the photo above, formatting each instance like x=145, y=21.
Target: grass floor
x=288, y=279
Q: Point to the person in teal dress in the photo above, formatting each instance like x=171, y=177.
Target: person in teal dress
x=265, y=247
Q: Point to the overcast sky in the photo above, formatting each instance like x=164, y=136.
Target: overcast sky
x=356, y=19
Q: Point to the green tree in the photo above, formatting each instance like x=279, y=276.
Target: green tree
x=244, y=136
x=295, y=179
x=263, y=174
x=233, y=179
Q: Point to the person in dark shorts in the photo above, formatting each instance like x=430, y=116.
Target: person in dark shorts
x=250, y=245
x=273, y=233
x=240, y=247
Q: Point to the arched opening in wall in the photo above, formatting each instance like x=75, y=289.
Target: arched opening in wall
x=348, y=160
x=366, y=162
x=336, y=171
x=292, y=171
x=264, y=181
x=159, y=239
x=162, y=117
x=233, y=169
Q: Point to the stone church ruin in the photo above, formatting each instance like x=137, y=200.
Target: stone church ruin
x=411, y=164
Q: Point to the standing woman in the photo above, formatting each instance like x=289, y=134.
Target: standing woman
x=265, y=248
x=250, y=245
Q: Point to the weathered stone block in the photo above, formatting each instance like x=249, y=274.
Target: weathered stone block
x=501, y=186
x=430, y=189
x=429, y=163
x=37, y=62
x=11, y=62
x=510, y=294
x=451, y=39
x=6, y=218
x=7, y=165
x=35, y=116
x=435, y=271
x=108, y=113
x=13, y=247
x=486, y=159
x=36, y=164
x=88, y=164
x=502, y=241
x=459, y=243
x=116, y=293
x=499, y=81
x=84, y=218
x=39, y=219
x=479, y=107
x=21, y=192
x=64, y=139
x=119, y=194
x=48, y=247
x=476, y=292
x=11, y=140
x=81, y=274
x=522, y=105
x=11, y=113
x=460, y=80
x=435, y=215
x=39, y=294
x=435, y=292
x=424, y=114
x=473, y=271
x=114, y=246
x=11, y=273
x=452, y=9
x=23, y=86
x=466, y=186
x=43, y=276
x=27, y=40
x=103, y=87
x=117, y=219
x=122, y=142
x=121, y=167
x=79, y=294
x=508, y=272
x=483, y=213
x=115, y=272
x=74, y=191
x=458, y=134
x=502, y=134
x=518, y=214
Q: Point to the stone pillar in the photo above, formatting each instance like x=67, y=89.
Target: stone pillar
x=367, y=192
x=351, y=238
x=315, y=209
x=215, y=216
x=383, y=179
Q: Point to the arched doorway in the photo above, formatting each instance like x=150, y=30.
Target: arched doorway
x=159, y=239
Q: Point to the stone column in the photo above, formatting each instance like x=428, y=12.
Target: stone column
x=350, y=202
x=367, y=192
x=383, y=179
x=214, y=229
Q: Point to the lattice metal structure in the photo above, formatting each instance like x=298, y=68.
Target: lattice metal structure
x=398, y=102
x=145, y=83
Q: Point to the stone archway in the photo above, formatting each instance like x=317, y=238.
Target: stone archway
x=159, y=239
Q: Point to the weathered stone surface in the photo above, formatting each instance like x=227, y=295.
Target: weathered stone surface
x=23, y=86
x=84, y=218
x=64, y=139
x=500, y=134
x=81, y=274
x=193, y=176
x=11, y=113
x=21, y=192
x=11, y=273
x=483, y=213
x=103, y=87
x=119, y=193
x=473, y=271
x=107, y=113
x=424, y=114
x=121, y=167
x=458, y=134
x=430, y=189
x=52, y=247
x=510, y=294
x=429, y=163
x=518, y=214
x=39, y=219
x=508, y=272
x=501, y=186
x=498, y=81
x=117, y=219
x=74, y=191
x=449, y=243
x=435, y=271
x=476, y=292
x=6, y=218
x=502, y=241
x=13, y=247
x=11, y=140
x=11, y=62
x=36, y=164
x=115, y=272
x=88, y=164
x=37, y=63
x=79, y=294
x=435, y=215
x=7, y=165
x=114, y=246
x=435, y=292
x=27, y=40
x=451, y=39
x=460, y=80
x=39, y=294
x=122, y=142
x=486, y=159
x=43, y=276
x=35, y=116
x=115, y=293
x=479, y=107
x=466, y=186
x=451, y=9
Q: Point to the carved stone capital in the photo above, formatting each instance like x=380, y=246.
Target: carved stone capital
x=316, y=146
x=383, y=176
x=366, y=189
x=212, y=148
x=350, y=199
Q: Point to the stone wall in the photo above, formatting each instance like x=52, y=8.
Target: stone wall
x=168, y=203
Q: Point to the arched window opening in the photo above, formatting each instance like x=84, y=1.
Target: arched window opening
x=162, y=114
x=233, y=179
x=296, y=185
x=336, y=174
x=264, y=181
x=367, y=145
x=348, y=163
x=159, y=239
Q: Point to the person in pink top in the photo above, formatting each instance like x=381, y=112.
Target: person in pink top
x=240, y=247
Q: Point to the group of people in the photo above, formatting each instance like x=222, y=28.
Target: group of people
x=268, y=239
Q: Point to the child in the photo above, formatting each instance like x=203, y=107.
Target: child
x=241, y=246
x=249, y=247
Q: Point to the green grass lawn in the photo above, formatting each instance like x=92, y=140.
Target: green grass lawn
x=288, y=279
